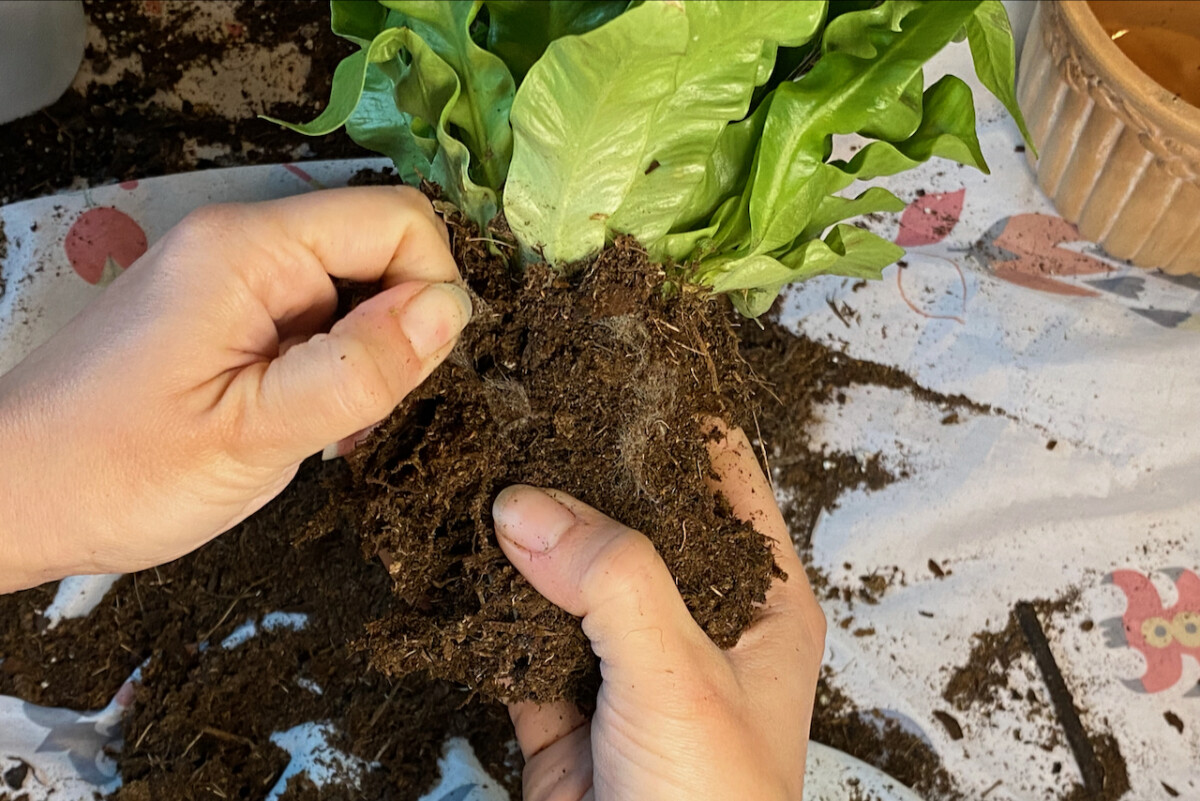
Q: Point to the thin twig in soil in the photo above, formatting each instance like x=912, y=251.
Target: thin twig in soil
x=762, y=446
x=489, y=240
x=995, y=784
x=1061, y=699
x=712, y=367
x=229, y=737
x=224, y=617
x=665, y=324
x=195, y=740
x=386, y=745
x=690, y=349
x=142, y=736
x=382, y=708
x=836, y=311
x=246, y=591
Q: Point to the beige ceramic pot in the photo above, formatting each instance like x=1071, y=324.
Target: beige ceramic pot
x=1119, y=153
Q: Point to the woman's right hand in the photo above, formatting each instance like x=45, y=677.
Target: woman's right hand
x=676, y=718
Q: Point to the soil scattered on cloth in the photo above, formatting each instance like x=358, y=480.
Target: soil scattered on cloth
x=983, y=680
x=798, y=376
x=201, y=722
x=169, y=86
x=983, y=683
x=879, y=740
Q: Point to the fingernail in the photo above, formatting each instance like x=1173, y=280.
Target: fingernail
x=530, y=518
x=434, y=317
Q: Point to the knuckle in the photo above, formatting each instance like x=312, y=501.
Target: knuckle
x=421, y=207
x=816, y=624
x=625, y=566
x=206, y=220
x=702, y=697
x=414, y=199
x=362, y=393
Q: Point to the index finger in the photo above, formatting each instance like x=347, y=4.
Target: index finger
x=368, y=233
x=389, y=234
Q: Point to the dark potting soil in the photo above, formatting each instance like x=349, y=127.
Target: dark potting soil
x=125, y=126
x=201, y=723
x=597, y=385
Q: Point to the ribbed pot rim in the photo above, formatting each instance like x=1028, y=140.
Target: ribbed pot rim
x=1124, y=76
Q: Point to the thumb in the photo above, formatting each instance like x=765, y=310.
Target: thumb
x=610, y=575
x=336, y=384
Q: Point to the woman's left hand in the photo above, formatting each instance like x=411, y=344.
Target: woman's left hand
x=186, y=396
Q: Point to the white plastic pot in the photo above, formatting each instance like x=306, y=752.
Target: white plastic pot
x=41, y=46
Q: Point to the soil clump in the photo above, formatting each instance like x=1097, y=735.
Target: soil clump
x=599, y=385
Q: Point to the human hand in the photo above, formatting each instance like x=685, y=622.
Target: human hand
x=186, y=396
x=676, y=717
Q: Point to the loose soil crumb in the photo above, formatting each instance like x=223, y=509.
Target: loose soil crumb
x=949, y=723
